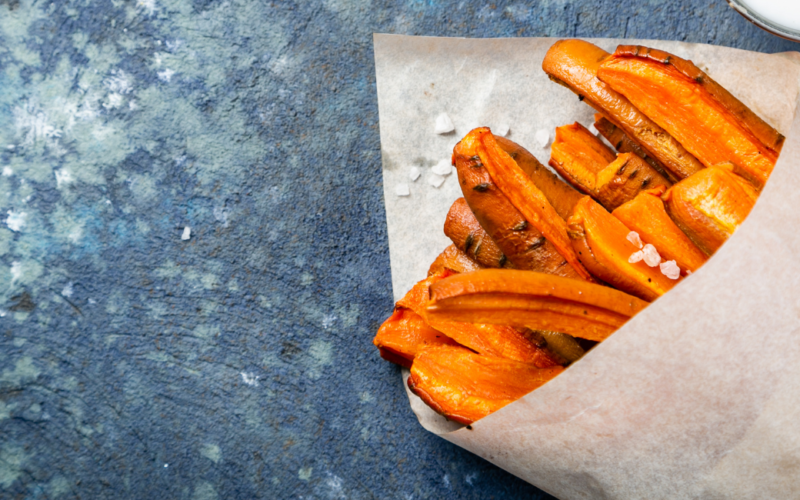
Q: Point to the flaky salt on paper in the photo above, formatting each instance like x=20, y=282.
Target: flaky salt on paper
x=696, y=397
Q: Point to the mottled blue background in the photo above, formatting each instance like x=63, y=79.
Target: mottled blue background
x=239, y=363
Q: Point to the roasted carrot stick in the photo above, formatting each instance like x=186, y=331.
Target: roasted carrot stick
x=574, y=64
x=707, y=120
x=590, y=165
x=624, y=144
x=521, y=242
x=517, y=187
x=491, y=340
x=624, y=178
x=466, y=233
x=533, y=300
x=578, y=156
x=646, y=215
x=404, y=335
x=465, y=387
x=710, y=205
x=453, y=259
x=601, y=241
x=558, y=193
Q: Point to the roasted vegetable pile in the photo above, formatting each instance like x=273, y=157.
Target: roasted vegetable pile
x=540, y=269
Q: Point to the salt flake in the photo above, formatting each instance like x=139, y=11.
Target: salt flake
x=16, y=220
x=414, y=173
x=651, y=257
x=670, y=269
x=636, y=257
x=502, y=130
x=402, y=189
x=633, y=237
x=435, y=180
x=542, y=137
x=187, y=233
x=444, y=167
x=444, y=125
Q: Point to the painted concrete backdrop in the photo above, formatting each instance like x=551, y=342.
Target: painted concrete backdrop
x=193, y=255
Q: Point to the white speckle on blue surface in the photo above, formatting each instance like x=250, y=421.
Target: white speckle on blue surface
x=471, y=477
x=67, y=291
x=328, y=320
x=305, y=473
x=16, y=220
x=147, y=5
x=166, y=75
x=63, y=176
x=7, y=172
x=250, y=379
x=16, y=271
x=221, y=215
x=166, y=465
x=446, y=480
x=187, y=233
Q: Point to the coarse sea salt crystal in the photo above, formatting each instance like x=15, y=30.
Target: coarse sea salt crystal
x=636, y=257
x=187, y=233
x=670, y=269
x=435, y=180
x=651, y=257
x=542, y=137
x=444, y=125
x=402, y=189
x=444, y=167
x=502, y=129
x=633, y=237
x=414, y=173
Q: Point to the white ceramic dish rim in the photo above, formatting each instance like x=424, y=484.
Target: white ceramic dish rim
x=764, y=23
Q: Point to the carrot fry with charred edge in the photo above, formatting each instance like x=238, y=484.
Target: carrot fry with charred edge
x=574, y=64
x=601, y=241
x=465, y=387
x=466, y=233
x=404, y=335
x=624, y=144
x=491, y=340
x=707, y=120
x=578, y=156
x=558, y=193
x=710, y=205
x=624, y=178
x=590, y=165
x=646, y=215
x=533, y=300
x=453, y=259
x=521, y=242
x=523, y=194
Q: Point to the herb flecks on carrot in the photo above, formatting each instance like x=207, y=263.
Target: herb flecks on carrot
x=525, y=196
x=707, y=120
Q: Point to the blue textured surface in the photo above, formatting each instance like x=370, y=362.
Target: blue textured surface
x=239, y=363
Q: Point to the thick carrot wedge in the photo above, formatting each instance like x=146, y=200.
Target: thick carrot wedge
x=624, y=144
x=577, y=155
x=522, y=193
x=453, y=259
x=710, y=205
x=523, y=244
x=574, y=64
x=601, y=241
x=624, y=178
x=646, y=215
x=465, y=387
x=404, y=335
x=590, y=166
x=466, y=233
x=707, y=120
x=491, y=340
x=558, y=193
x=533, y=300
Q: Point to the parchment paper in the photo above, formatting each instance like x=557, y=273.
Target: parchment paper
x=696, y=397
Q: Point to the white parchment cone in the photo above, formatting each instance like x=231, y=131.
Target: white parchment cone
x=698, y=396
